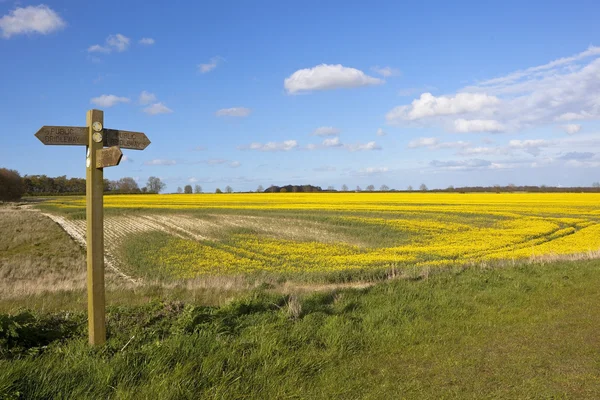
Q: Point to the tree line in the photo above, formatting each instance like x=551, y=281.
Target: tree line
x=13, y=186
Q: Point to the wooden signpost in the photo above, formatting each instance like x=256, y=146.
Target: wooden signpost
x=95, y=137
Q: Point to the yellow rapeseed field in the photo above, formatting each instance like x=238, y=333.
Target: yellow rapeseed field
x=420, y=229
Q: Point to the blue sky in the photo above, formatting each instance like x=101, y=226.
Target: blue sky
x=328, y=93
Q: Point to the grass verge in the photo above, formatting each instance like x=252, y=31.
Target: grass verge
x=528, y=331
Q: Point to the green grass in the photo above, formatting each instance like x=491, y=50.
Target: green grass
x=528, y=331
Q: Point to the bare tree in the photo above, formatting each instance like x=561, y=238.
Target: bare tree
x=155, y=185
x=228, y=189
x=371, y=188
x=187, y=189
x=218, y=190
x=344, y=188
x=384, y=188
x=409, y=188
x=260, y=189
x=179, y=190
x=197, y=189
x=358, y=189
x=423, y=187
x=126, y=185
x=596, y=185
x=330, y=188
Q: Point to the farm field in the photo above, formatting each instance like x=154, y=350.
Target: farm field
x=510, y=314
x=188, y=236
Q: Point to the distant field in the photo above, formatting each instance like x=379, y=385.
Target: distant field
x=187, y=236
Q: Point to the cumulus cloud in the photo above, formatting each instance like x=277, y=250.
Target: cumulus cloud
x=332, y=142
x=380, y=132
x=286, y=145
x=362, y=146
x=435, y=144
x=423, y=142
x=157, y=108
x=108, y=100
x=209, y=66
x=572, y=129
x=327, y=77
x=146, y=98
x=233, y=112
x=482, y=150
x=326, y=131
x=562, y=90
x=159, y=161
x=370, y=171
x=385, y=71
x=29, y=20
x=531, y=146
x=116, y=42
x=477, y=125
x=429, y=105
x=146, y=41
x=461, y=165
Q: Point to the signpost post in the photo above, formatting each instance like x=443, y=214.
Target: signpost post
x=95, y=137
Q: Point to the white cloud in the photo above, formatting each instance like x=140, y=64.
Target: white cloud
x=160, y=162
x=575, y=155
x=212, y=64
x=96, y=48
x=271, y=146
x=461, y=165
x=146, y=98
x=370, y=171
x=233, y=112
x=429, y=105
x=115, y=42
x=362, y=147
x=532, y=146
x=108, y=100
x=32, y=19
x=326, y=131
x=157, y=108
x=118, y=42
x=380, y=132
x=327, y=77
x=332, y=142
x=572, y=116
x=534, y=71
x=562, y=90
x=477, y=125
x=435, y=144
x=423, y=142
x=480, y=151
x=235, y=164
x=386, y=71
x=146, y=41
x=572, y=129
